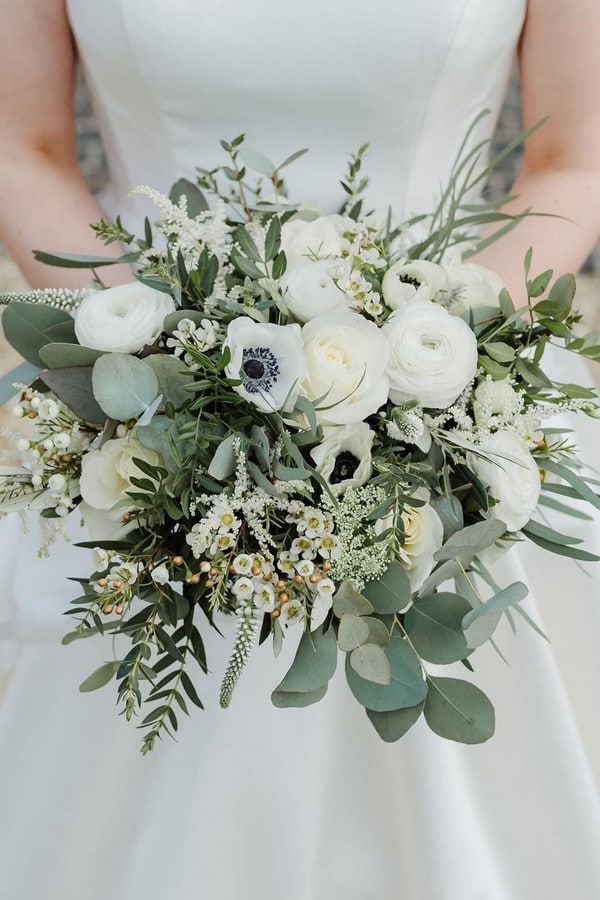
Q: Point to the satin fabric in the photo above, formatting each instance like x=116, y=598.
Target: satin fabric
x=259, y=803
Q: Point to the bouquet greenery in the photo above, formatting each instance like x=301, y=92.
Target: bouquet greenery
x=322, y=425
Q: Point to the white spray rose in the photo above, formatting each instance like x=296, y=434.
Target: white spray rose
x=346, y=357
x=343, y=457
x=515, y=485
x=122, y=319
x=471, y=286
x=495, y=398
x=320, y=239
x=106, y=473
x=423, y=537
x=433, y=355
x=268, y=359
x=310, y=291
x=416, y=279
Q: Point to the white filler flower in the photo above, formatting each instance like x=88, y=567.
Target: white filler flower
x=346, y=356
x=310, y=291
x=269, y=361
x=343, y=457
x=514, y=484
x=122, y=319
x=416, y=279
x=433, y=355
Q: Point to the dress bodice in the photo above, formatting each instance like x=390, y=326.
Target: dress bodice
x=168, y=80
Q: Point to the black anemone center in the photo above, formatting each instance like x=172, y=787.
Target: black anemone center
x=254, y=368
x=408, y=279
x=344, y=468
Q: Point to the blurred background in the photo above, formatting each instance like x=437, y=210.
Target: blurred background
x=92, y=162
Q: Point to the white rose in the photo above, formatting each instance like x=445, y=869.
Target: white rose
x=471, y=286
x=106, y=473
x=433, y=355
x=319, y=239
x=310, y=291
x=346, y=357
x=416, y=279
x=493, y=398
x=423, y=537
x=515, y=485
x=122, y=319
x=269, y=360
x=343, y=458
x=105, y=524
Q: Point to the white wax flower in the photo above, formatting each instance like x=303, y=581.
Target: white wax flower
x=106, y=473
x=515, y=485
x=346, y=356
x=409, y=280
x=122, y=319
x=423, y=537
x=310, y=291
x=470, y=286
x=433, y=355
x=320, y=239
x=160, y=574
x=269, y=360
x=343, y=457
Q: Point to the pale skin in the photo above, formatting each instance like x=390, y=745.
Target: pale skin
x=46, y=203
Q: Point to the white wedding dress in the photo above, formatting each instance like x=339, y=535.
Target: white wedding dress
x=258, y=803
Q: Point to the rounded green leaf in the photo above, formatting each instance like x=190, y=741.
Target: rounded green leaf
x=314, y=663
x=459, y=711
x=394, y=724
x=26, y=327
x=378, y=632
x=352, y=632
x=370, y=662
x=123, y=385
x=285, y=699
x=60, y=356
x=74, y=387
x=390, y=593
x=173, y=377
x=407, y=686
x=434, y=624
x=347, y=600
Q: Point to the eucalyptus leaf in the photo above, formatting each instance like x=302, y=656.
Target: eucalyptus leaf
x=370, y=662
x=286, y=699
x=73, y=387
x=407, y=686
x=459, y=711
x=390, y=593
x=394, y=724
x=480, y=623
x=348, y=600
x=471, y=540
x=77, y=261
x=173, y=377
x=314, y=663
x=171, y=322
x=26, y=327
x=123, y=385
x=223, y=462
x=155, y=436
x=196, y=201
x=353, y=632
x=64, y=356
x=257, y=161
x=378, y=631
x=434, y=625
x=100, y=677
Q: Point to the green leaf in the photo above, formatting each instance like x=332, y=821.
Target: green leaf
x=173, y=377
x=156, y=436
x=243, y=237
x=549, y=534
x=123, y=385
x=26, y=327
x=378, y=632
x=348, y=600
x=532, y=374
x=450, y=511
x=23, y=374
x=394, y=724
x=286, y=699
x=292, y=158
x=273, y=239
x=499, y=351
x=63, y=356
x=538, y=285
x=314, y=663
x=353, y=632
x=480, y=623
x=391, y=592
x=459, y=711
x=76, y=261
x=562, y=549
x=171, y=322
x=471, y=540
x=100, y=677
x=196, y=201
x=434, y=624
x=370, y=662
x=578, y=484
x=73, y=387
x=563, y=290
x=407, y=686
x=257, y=161
x=223, y=462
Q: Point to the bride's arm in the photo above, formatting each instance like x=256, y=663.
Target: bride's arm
x=560, y=77
x=44, y=200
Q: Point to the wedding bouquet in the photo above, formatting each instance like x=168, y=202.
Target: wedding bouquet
x=321, y=425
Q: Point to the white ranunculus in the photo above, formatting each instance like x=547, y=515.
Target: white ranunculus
x=433, y=355
x=343, y=457
x=423, y=537
x=471, y=286
x=106, y=473
x=122, y=319
x=269, y=360
x=514, y=484
x=494, y=398
x=346, y=357
x=319, y=239
x=409, y=280
x=310, y=291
